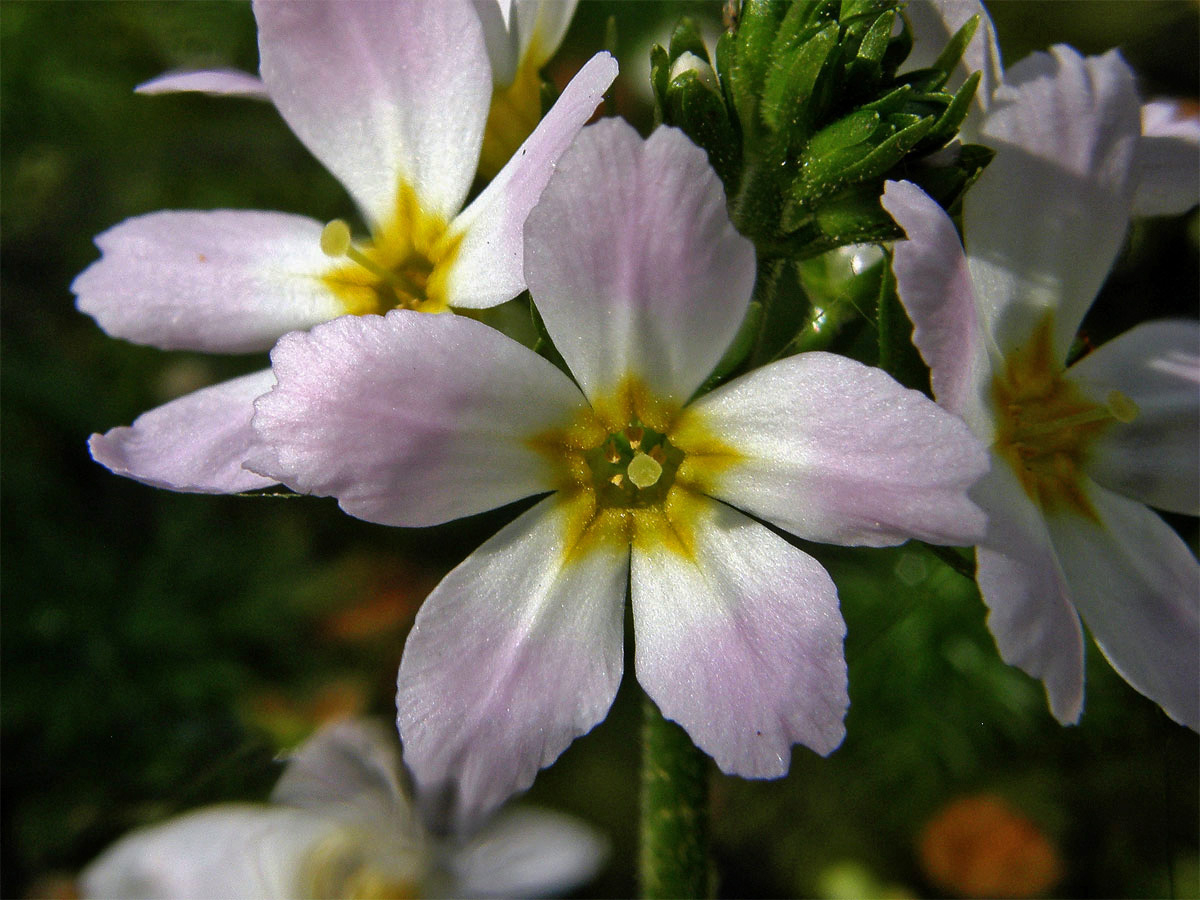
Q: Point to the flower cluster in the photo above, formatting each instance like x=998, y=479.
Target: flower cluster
x=677, y=456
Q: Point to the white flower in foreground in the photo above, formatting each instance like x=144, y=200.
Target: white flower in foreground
x=1076, y=451
x=1166, y=167
x=339, y=824
x=392, y=98
x=642, y=283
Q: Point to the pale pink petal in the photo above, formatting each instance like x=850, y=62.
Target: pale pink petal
x=1168, y=161
x=740, y=642
x=633, y=263
x=527, y=852
x=934, y=284
x=1137, y=586
x=411, y=419
x=195, y=443
x=1046, y=218
x=219, y=82
x=838, y=452
x=1031, y=616
x=514, y=655
x=383, y=94
x=541, y=26
x=243, y=851
x=488, y=268
x=226, y=281
x=1154, y=459
x=501, y=39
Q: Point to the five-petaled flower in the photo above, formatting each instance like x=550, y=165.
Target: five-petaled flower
x=1076, y=451
x=393, y=99
x=642, y=283
x=340, y=823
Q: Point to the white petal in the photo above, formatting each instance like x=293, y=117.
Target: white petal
x=219, y=82
x=541, y=26
x=1137, y=586
x=247, y=852
x=1031, y=616
x=527, y=852
x=514, y=655
x=500, y=38
x=1167, y=169
x=633, y=263
x=1046, y=218
x=411, y=419
x=488, y=268
x=934, y=284
x=835, y=451
x=740, y=642
x=383, y=94
x=1154, y=459
x=196, y=443
x=226, y=281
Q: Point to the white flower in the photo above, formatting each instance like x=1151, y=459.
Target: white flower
x=1076, y=451
x=339, y=824
x=392, y=98
x=642, y=283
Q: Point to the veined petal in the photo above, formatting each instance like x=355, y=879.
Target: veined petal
x=740, y=642
x=1167, y=174
x=384, y=94
x=838, y=452
x=934, y=284
x=410, y=419
x=225, y=281
x=633, y=263
x=514, y=655
x=221, y=851
x=488, y=268
x=1030, y=612
x=1135, y=583
x=1046, y=218
x=195, y=443
x=528, y=853
x=219, y=82
x=1154, y=459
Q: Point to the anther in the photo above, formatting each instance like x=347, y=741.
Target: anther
x=644, y=471
x=611, y=453
x=617, y=479
x=335, y=239
x=635, y=433
x=1121, y=407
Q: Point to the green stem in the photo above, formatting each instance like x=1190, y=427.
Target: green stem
x=674, y=838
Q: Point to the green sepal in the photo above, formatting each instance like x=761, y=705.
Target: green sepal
x=897, y=355
x=865, y=71
x=952, y=116
x=953, y=52
x=793, y=77
x=696, y=108
x=686, y=38
x=751, y=58
x=660, y=72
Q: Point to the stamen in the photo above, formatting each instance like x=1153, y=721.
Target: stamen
x=335, y=239
x=335, y=242
x=611, y=453
x=644, y=471
x=1121, y=407
x=1118, y=406
x=617, y=479
x=635, y=433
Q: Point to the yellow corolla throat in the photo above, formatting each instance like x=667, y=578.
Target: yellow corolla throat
x=405, y=266
x=632, y=469
x=515, y=111
x=1046, y=426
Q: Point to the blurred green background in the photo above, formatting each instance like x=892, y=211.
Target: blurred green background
x=158, y=649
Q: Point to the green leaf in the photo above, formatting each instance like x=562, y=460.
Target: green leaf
x=954, y=50
x=686, y=38
x=696, y=108
x=846, y=132
x=748, y=66
x=952, y=117
x=793, y=77
x=660, y=70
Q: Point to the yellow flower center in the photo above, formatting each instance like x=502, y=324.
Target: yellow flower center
x=633, y=469
x=1046, y=426
x=404, y=266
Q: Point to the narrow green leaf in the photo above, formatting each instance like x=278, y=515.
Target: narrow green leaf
x=792, y=78
x=686, y=38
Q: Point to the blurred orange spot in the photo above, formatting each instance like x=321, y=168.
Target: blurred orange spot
x=978, y=846
x=288, y=720
x=391, y=593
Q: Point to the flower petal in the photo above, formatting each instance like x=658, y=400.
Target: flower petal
x=541, y=26
x=1134, y=582
x=410, y=419
x=528, y=853
x=195, y=443
x=740, y=642
x=500, y=36
x=514, y=655
x=1046, y=218
x=219, y=82
x=1031, y=616
x=934, y=284
x=633, y=263
x=488, y=268
x=837, y=452
x=221, y=851
x=1154, y=459
x=1168, y=179
x=226, y=281
x=384, y=94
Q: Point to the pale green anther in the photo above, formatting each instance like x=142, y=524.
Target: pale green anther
x=1121, y=407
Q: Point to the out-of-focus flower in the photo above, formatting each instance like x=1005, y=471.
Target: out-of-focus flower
x=1166, y=167
x=392, y=98
x=642, y=283
x=340, y=824
x=1076, y=451
x=979, y=846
